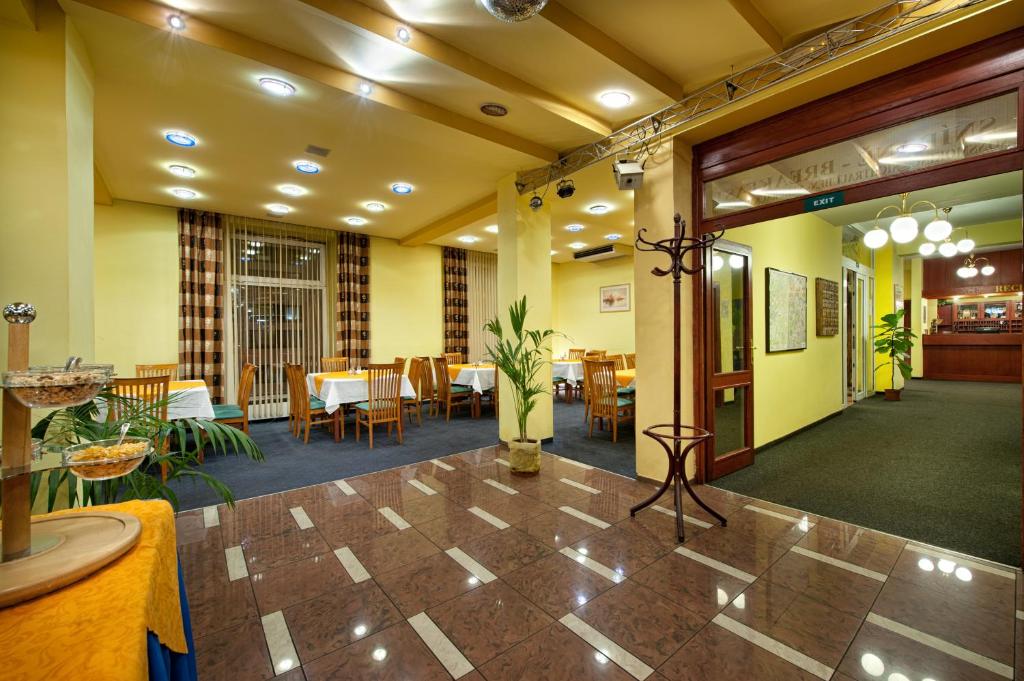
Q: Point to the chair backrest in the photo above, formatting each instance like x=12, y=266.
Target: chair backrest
x=400, y=360
x=453, y=357
x=299, y=392
x=631, y=360
x=385, y=391
x=415, y=375
x=245, y=380
x=601, y=386
x=442, y=379
x=140, y=397
x=334, y=364
x=600, y=353
x=425, y=389
x=151, y=370
x=577, y=353
x=620, y=362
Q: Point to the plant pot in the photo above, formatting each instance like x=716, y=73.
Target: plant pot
x=892, y=395
x=524, y=457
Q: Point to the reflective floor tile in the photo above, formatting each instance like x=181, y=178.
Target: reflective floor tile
x=426, y=583
x=622, y=548
x=284, y=548
x=557, y=529
x=695, y=586
x=280, y=587
x=393, y=550
x=239, y=652
x=553, y=653
x=455, y=528
x=394, y=653
x=505, y=551
x=557, y=583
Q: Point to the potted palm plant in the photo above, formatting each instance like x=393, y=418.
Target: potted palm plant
x=520, y=356
x=894, y=341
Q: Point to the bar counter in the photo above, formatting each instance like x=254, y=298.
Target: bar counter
x=972, y=356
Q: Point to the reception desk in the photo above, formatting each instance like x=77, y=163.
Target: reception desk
x=972, y=356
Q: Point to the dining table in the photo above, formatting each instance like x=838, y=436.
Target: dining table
x=336, y=388
x=478, y=376
x=188, y=399
x=569, y=369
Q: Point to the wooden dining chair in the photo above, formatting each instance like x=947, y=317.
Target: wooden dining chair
x=630, y=360
x=385, y=400
x=414, y=405
x=453, y=358
x=491, y=396
x=581, y=384
x=601, y=354
x=427, y=389
x=140, y=399
x=309, y=410
x=620, y=362
x=576, y=354
x=238, y=414
x=605, y=401
x=151, y=370
x=451, y=396
x=334, y=363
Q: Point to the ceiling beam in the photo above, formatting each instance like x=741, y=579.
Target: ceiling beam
x=155, y=16
x=467, y=215
x=598, y=41
x=378, y=23
x=760, y=24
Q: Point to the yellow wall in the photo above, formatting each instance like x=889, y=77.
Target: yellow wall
x=793, y=389
x=137, y=272
x=888, y=273
x=406, y=300
x=575, y=288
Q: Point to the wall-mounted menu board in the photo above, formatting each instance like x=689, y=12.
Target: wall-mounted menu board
x=826, y=307
x=786, y=316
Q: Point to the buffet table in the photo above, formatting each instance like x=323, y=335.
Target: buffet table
x=127, y=622
x=994, y=357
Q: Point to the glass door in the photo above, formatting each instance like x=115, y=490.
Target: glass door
x=730, y=404
x=858, y=346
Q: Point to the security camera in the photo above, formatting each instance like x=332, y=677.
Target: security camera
x=628, y=174
x=565, y=189
x=536, y=202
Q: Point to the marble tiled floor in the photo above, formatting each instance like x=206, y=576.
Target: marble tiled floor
x=454, y=568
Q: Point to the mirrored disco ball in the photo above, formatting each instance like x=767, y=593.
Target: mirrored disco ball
x=513, y=10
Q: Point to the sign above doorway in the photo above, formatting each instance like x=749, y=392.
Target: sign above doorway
x=830, y=200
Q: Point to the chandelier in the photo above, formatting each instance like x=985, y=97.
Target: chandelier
x=512, y=11
x=970, y=267
x=904, y=228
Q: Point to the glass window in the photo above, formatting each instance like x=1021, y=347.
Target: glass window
x=730, y=420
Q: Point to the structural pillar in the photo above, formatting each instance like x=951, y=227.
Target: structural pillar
x=524, y=269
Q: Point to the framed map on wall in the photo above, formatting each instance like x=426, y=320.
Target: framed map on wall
x=785, y=310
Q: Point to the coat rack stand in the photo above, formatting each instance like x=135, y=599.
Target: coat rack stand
x=676, y=439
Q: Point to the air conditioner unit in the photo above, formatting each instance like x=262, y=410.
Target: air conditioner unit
x=606, y=252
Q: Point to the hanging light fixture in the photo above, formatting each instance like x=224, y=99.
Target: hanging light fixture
x=965, y=245
x=512, y=11
x=970, y=268
x=947, y=249
x=939, y=230
x=927, y=248
x=903, y=229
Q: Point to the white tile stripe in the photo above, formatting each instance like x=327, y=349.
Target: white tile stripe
x=587, y=562
x=502, y=462
x=443, y=649
x=211, y=518
x=597, y=522
x=804, y=523
x=492, y=519
x=577, y=463
x=442, y=465
x=716, y=564
x=395, y=519
x=794, y=657
x=422, y=487
x=351, y=564
x=840, y=563
x=943, y=646
x=579, y=485
x=620, y=656
x=301, y=519
x=236, y=563
x=473, y=567
x=345, y=487
x=497, y=485
x=279, y=642
x=959, y=560
x=686, y=518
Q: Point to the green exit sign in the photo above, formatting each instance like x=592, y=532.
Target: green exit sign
x=823, y=201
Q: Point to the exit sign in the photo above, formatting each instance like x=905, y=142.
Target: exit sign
x=824, y=201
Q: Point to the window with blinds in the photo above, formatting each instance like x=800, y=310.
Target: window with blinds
x=277, y=306
x=481, y=300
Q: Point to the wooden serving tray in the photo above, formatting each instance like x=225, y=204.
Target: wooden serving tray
x=65, y=549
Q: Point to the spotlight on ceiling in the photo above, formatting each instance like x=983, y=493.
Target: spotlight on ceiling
x=494, y=109
x=491, y=229
x=598, y=209
x=306, y=167
x=176, y=22
x=468, y=239
x=401, y=188
x=291, y=189
x=181, y=171
x=565, y=189
x=574, y=228
x=614, y=236
x=180, y=138
x=278, y=209
x=536, y=202
x=615, y=99
x=365, y=88
x=403, y=34
x=375, y=207
x=183, y=193
x=277, y=87
x=356, y=221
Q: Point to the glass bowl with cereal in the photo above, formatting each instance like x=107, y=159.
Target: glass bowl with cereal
x=53, y=387
x=106, y=459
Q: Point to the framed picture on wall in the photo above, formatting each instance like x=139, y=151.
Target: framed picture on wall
x=614, y=298
x=786, y=313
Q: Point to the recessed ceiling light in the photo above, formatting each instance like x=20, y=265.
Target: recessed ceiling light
x=307, y=167
x=180, y=138
x=467, y=239
x=492, y=229
x=176, y=22
x=494, y=109
x=277, y=87
x=554, y=252
x=365, y=88
x=375, y=207
x=183, y=193
x=291, y=189
x=576, y=245
x=614, y=236
x=794, y=191
x=401, y=188
x=733, y=204
x=403, y=34
x=598, y=209
x=615, y=99
x=279, y=208
x=181, y=171
x=356, y=221
x=911, y=148
x=574, y=228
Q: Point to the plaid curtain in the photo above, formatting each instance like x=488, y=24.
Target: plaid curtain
x=456, y=303
x=200, y=299
x=352, y=318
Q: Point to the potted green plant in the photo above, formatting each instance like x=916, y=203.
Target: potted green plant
x=520, y=356
x=894, y=341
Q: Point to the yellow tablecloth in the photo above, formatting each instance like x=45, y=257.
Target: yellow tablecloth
x=454, y=369
x=625, y=377
x=96, y=628
x=185, y=385
x=319, y=379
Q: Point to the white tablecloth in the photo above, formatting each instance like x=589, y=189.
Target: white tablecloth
x=338, y=391
x=572, y=372
x=192, y=402
x=478, y=378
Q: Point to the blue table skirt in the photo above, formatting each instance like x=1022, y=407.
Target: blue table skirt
x=165, y=664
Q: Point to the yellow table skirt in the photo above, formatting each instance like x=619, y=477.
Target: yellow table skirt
x=625, y=377
x=96, y=628
x=185, y=385
x=454, y=369
x=318, y=379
